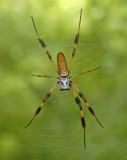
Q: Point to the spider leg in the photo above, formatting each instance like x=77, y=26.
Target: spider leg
x=39, y=108
x=76, y=41
x=80, y=107
x=45, y=76
x=85, y=72
x=89, y=107
x=44, y=46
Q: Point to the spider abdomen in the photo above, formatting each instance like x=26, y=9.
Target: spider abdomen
x=62, y=65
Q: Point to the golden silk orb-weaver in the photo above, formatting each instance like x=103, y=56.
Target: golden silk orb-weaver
x=64, y=78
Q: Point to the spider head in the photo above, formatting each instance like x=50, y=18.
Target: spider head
x=64, y=83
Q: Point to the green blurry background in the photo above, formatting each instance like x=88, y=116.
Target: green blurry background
x=56, y=133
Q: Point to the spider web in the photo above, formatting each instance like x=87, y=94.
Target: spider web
x=56, y=133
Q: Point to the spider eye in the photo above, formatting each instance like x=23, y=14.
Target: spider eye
x=61, y=82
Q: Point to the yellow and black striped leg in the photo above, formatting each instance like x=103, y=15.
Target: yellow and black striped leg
x=76, y=41
x=44, y=46
x=89, y=107
x=39, y=108
x=82, y=117
x=85, y=72
x=44, y=76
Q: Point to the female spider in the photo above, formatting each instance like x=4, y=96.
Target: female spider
x=64, y=79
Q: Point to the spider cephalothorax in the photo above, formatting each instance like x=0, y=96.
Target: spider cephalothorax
x=64, y=79
x=64, y=83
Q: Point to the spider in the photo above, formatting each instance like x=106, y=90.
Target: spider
x=64, y=79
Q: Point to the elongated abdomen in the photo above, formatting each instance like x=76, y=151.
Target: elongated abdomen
x=62, y=65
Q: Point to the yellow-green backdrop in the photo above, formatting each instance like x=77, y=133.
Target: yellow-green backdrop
x=56, y=133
